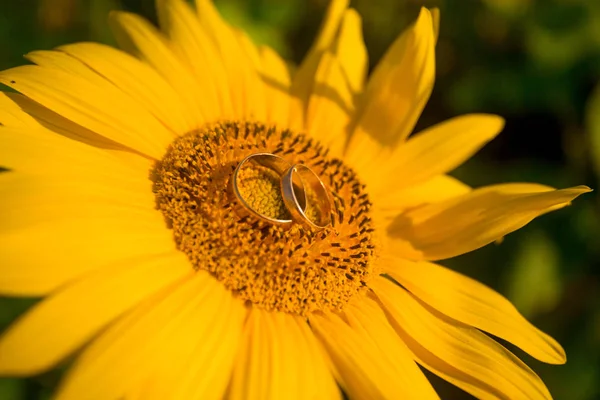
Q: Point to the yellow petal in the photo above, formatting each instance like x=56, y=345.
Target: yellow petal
x=40, y=116
x=64, y=62
x=257, y=362
x=133, y=77
x=328, y=30
x=35, y=150
x=466, y=223
x=17, y=111
x=33, y=115
x=255, y=87
x=366, y=317
x=330, y=106
x=103, y=109
x=178, y=345
x=475, y=304
x=280, y=358
x=302, y=82
x=318, y=359
x=68, y=186
x=364, y=366
x=13, y=115
x=351, y=52
x=29, y=200
x=434, y=190
x=214, y=336
x=73, y=247
x=238, y=67
x=435, y=151
x=460, y=354
x=138, y=37
x=395, y=94
x=75, y=314
x=276, y=78
x=193, y=46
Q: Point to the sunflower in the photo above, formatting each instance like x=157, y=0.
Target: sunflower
x=116, y=210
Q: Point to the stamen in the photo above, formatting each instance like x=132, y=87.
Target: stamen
x=260, y=188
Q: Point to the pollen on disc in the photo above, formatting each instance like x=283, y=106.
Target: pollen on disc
x=260, y=188
x=290, y=269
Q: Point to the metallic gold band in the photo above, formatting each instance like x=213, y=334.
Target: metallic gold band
x=317, y=212
x=304, y=194
x=277, y=164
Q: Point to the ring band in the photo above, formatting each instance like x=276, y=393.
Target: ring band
x=268, y=160
x=309, y=181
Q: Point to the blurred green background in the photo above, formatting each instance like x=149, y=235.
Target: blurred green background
x=536, y=62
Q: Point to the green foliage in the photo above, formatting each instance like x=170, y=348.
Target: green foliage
x=536, y=261
x=593, y=127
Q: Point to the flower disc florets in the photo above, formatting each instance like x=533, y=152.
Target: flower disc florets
x=291, y=269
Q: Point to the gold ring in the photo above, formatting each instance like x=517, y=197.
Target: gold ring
x=307, y=180
x=271, y=161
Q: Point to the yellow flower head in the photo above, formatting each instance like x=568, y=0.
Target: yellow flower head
x=118, y=210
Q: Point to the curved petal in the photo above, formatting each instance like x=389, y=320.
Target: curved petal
x=213, y=334
x=302, y=82
x=436, y=150
x=364, y=366
x=276, y=77
x=28, y=200
x=466, y=223
x=13, y=115
x=140, y=38
x=26, y=148
x=74, y=315
x=395, y=95
x=103, y=109
x=194, y=47
x=280, y=358
x=330, y=106
x=367, y=317
x=243, y=78
x=178, y=345
x=351, y=52
x=64, y=62
x=255, y=85
x=475, y=304
x=327, y=32
x=462, y=355
x=137, y=79
x=92, y=201
x=74, y=247
x=18, y=111
x=434, y=190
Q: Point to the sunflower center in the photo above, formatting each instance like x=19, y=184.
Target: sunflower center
x=259, y=186
x=290, y=269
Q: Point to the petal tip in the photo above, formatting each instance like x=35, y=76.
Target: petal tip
x=577, y=191
x=562, y=358
x=424, y=11
x=495, y=123
x=585, y=189
x=556, y=355
x=15, y=365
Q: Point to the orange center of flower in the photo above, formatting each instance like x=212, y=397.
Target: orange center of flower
x=290, y=269
x=260, y=188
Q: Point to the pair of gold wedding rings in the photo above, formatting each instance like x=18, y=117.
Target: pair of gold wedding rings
x=303, y=193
